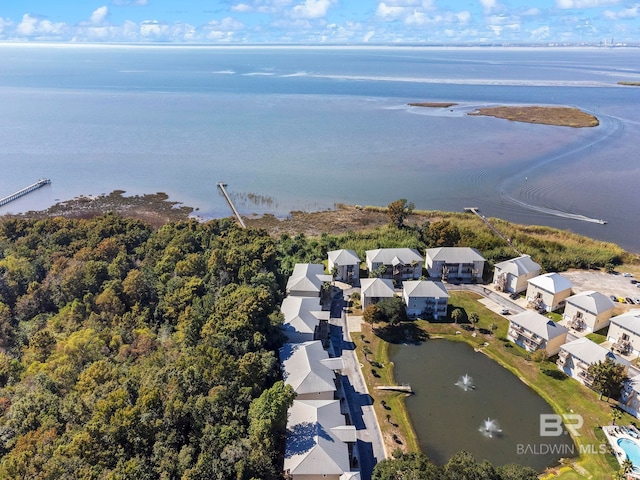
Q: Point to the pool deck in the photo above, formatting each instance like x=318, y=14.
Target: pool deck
x=615, y=433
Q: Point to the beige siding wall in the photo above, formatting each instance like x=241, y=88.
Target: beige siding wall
x=615, y=332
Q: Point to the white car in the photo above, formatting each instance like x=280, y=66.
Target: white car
x=627, y=274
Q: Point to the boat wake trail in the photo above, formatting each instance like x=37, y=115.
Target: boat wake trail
x=609, y=126
x=552, y=211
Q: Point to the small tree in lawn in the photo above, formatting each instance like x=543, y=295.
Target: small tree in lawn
x=456, y=315
x=493, y=327
x=474, y=318
x=398, y=211
x=616, y=414
x=372, y=314
x=393, y=310
x=608, y=378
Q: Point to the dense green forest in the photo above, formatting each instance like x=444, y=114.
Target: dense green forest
x=132, y=353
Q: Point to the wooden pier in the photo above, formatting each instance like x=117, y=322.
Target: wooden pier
x=406, y=388
x=21, y=193
x=475, y=210
x=221, y=186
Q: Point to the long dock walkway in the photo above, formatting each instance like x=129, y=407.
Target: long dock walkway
x=493, y=229
x=21, y=193
x=221, y=186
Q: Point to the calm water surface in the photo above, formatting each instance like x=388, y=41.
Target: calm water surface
x=447, y=419
x=311, y=127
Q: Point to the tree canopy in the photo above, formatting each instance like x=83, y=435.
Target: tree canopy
x=398, y=211
x=608, y=377
x=133, y=353
x=462, y=466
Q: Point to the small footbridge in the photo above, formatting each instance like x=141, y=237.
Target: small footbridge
x=405, y=388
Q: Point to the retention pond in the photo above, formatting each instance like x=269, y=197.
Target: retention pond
x=465, y=401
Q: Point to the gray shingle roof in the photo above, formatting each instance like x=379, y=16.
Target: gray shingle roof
x=455, y=255
x=592, y=302
x=590, y=352
x=377, y=287
x=551, y=282
x=519, y=266
x=629, y=321
x=303, y=368
x=302, y=314
x=343, y=257
x=307, y=277
x=425, y=289
x=538, y=324
x=312, y=445
x=386, y=256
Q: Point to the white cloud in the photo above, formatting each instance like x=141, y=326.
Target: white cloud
x=32, y=26
x=4, y=23
x=99, y=15
x=464, y=17
x=565, y=4
x=632, y=12
x=242, y=8
x=541, y=33
x=488, y=5
x=27, y=26
x=261, y=6
x=368, y=36
x=312, y=9
x=130, y=2
x=531, y=12
x=389, y=11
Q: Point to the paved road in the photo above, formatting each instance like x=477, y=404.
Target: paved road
x=370, y=445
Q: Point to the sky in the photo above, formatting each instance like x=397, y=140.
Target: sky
x=323, y=21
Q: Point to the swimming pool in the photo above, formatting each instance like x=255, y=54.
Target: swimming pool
x=632, y=449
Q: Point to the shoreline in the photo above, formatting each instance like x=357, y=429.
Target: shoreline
x=157, y=210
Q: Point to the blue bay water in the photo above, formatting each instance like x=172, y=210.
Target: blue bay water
x=312, y=127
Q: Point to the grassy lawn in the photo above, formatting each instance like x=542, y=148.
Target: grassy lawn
x=564, y=394
x=598, y=337
x=378, y=370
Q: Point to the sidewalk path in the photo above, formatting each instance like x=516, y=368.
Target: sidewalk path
x=370, y=445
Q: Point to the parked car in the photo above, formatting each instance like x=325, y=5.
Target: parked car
x=627, y=274
x=613, y=298
x=622, y=300
x=505, y=311
x=634, y=281
x=629, y=300
x=637, y=300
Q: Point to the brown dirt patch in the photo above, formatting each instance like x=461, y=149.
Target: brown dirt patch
x=343, y=219
x=560, y=116
x=154, y=209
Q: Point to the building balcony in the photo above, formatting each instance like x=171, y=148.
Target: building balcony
x=586, y=378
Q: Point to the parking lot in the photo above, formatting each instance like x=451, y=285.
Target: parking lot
x=607, y=283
